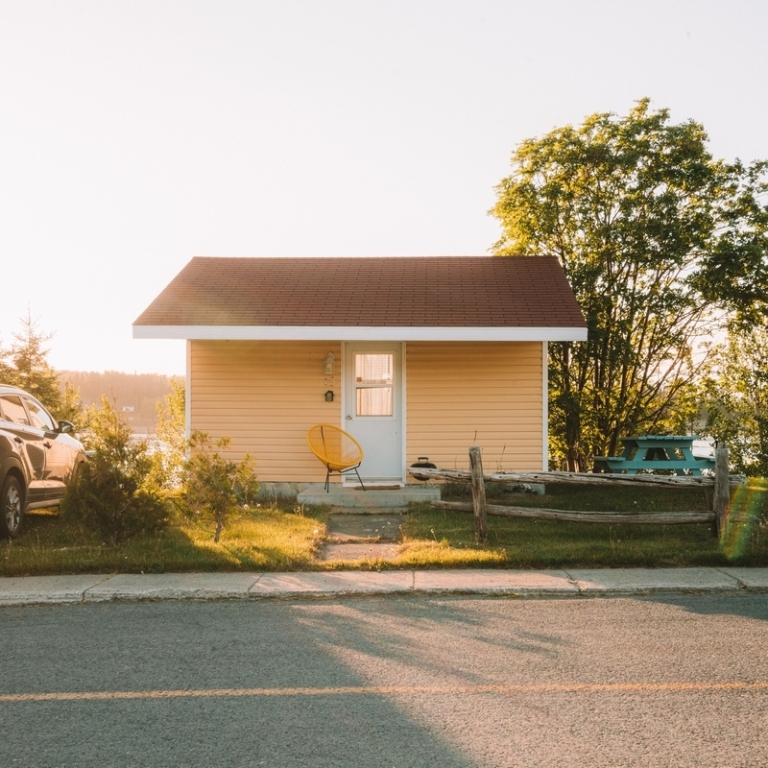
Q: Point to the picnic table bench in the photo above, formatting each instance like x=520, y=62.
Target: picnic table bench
x=655, y=452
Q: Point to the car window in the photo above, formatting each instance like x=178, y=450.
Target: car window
x=40, y=417
x=12, y=409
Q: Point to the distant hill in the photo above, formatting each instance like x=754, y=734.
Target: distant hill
x=135, y=394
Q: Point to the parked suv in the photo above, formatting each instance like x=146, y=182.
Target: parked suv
x=37, y=457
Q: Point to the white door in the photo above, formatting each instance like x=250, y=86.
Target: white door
x=373, y=407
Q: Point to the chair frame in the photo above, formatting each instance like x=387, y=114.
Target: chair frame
x=324, y=459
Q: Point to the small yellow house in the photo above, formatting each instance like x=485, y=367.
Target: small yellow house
x=414, y=357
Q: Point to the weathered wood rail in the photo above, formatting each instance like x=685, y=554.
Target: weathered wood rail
x=580, y=478
x=720, y=483
x=540, y=513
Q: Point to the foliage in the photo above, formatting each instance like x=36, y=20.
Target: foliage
x=286, y=538
x=25, y=364
x=171, y=432
x=7, y=373
x=733, y=272
x=71, y=408
x=736, y=395
x=114, y=493
x=215, y=487
x=639, y=215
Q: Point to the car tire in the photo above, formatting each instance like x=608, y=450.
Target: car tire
x=11, y=508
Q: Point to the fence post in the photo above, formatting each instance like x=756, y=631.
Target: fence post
x=721, y=497
x=478, y=496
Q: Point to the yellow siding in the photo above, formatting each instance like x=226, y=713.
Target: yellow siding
x=463, y=394
x=265, y=395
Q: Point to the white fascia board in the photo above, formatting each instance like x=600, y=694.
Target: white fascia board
x=354, y=333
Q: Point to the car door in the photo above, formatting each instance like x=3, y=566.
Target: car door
x=30, y=446
x=58, y=455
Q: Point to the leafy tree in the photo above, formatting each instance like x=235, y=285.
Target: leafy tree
x=171, y=432
x=114, y=493
x=733, y=273
x=215, y=486
x=638, y=213
x=737, y=399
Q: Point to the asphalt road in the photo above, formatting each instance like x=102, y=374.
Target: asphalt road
x=379, y=682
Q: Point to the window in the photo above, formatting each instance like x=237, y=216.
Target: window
x=373, y=384
x=12, y=410
x=39, y=416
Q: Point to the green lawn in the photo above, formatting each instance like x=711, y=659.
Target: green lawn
x=268, y=539
x=287, y=538
x=518, y=543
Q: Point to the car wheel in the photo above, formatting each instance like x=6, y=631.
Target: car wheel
x=11, y=508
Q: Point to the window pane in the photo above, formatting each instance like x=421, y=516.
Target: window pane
x=13, y=410
x=374, y=401
x=373, y=369
x=373, y=384
x=40, y=418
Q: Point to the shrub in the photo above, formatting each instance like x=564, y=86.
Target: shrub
x=216, y=487
x=171, y=432
x=113, y=493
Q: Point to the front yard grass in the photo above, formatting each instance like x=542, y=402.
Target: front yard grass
x=526, y=543
x=287, y=537
x=266, y=539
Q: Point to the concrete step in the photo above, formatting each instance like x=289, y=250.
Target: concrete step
x=352, y=528
x=371, y=500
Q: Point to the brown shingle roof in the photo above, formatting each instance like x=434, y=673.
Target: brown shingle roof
x=430, y=291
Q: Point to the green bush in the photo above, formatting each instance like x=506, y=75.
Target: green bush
x=216, y=487
x=113, y=493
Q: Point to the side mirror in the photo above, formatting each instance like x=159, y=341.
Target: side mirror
x=65, y=427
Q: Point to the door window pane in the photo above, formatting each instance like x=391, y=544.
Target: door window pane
x=373, y=384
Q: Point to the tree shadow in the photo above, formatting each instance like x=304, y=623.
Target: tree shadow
x=298, y=703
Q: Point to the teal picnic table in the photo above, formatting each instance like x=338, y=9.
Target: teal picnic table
x=646, y=453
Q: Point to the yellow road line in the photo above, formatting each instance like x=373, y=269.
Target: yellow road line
x=385, y=690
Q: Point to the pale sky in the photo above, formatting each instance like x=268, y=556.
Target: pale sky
x=135, y=135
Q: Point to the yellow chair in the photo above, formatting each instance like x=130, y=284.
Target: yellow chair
x=337, y=449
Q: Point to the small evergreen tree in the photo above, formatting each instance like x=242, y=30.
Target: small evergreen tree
x=114, y=493
x=215, y=486
x=71, y=408
x=7, y=374
x=31, y=370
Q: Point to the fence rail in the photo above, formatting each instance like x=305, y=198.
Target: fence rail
x=720, y=483
x=579, y=478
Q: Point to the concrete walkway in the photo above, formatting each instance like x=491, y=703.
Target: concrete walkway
x=249, y=586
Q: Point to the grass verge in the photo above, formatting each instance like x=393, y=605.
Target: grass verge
x=287, y=537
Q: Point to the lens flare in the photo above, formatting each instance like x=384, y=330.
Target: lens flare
x=743, y=517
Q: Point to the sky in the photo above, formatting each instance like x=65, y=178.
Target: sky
x=135, y=135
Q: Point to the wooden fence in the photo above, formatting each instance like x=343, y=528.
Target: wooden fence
x=719, y=484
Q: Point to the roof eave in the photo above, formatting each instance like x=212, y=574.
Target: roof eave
x=359, y=333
